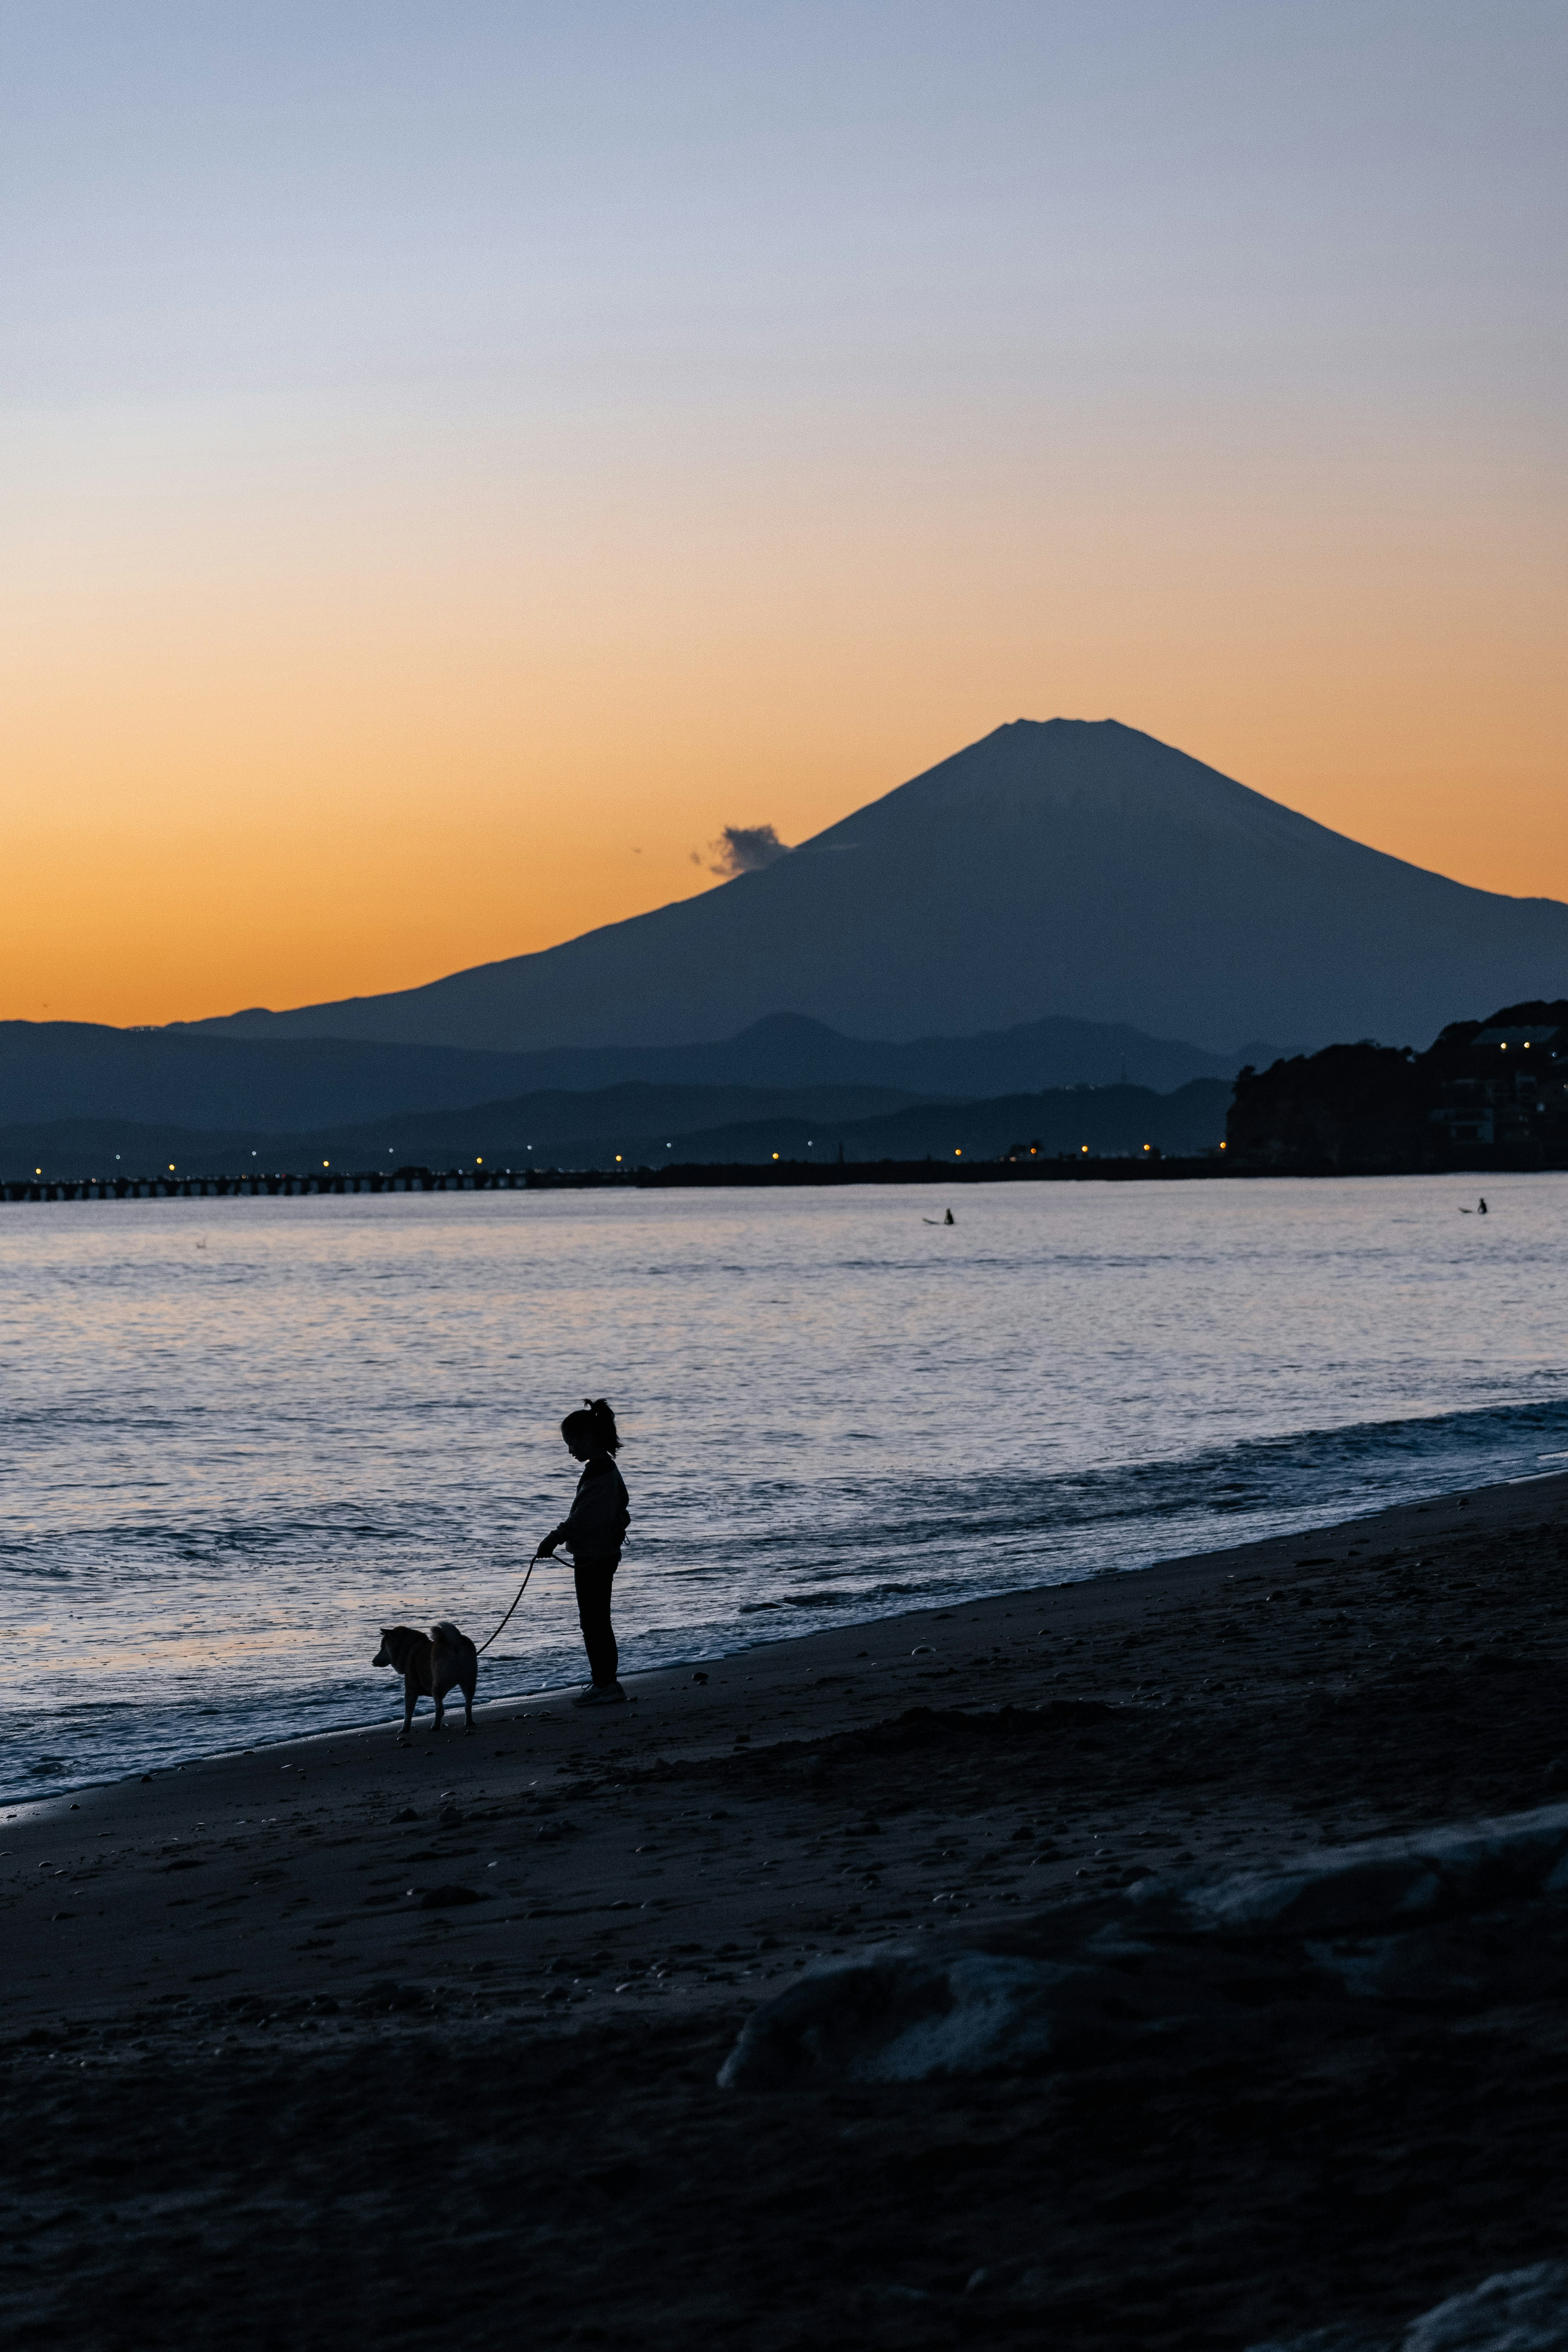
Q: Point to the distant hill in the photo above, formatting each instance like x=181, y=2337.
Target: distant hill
x=1073, y=870
x=205, y=1079
x=649, y=1125
x=1488, y=1094
x=82, y=1070
x=1106, y=1121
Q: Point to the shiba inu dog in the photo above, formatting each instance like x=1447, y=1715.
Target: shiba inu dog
x=430, y=1665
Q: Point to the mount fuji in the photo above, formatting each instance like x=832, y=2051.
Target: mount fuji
x=1067, y=867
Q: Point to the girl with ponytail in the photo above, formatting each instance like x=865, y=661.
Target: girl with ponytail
x=593, y=1532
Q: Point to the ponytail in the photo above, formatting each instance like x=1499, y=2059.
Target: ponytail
x=593, y=1425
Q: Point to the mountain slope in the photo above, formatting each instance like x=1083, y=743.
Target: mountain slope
x=1071, y=868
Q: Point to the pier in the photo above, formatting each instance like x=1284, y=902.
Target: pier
x=176, y=1187
x=781, y=1175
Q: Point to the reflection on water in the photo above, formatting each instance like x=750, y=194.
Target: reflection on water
x=244, y=1434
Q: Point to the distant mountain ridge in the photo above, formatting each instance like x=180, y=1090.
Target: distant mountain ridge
x=1117, y=1122
x=647, y=1126
x=199, y=1080
x=1070, y=868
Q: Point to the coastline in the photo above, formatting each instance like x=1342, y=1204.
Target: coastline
x=775, y=1668
x=567, y=1898
x=669, y=1677
x=289, y=1184
x=1170, y=1168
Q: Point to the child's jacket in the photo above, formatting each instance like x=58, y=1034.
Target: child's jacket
x=596, y=1526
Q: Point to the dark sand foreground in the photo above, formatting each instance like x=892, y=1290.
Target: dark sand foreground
x=351, y=2041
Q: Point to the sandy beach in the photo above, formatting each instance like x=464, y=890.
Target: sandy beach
x=354, y=2038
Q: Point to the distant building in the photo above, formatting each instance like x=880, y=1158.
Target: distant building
x=1512, y=1093
x=1488, y=1093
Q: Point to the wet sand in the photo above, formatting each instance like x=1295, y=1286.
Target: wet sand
x=352, y=2036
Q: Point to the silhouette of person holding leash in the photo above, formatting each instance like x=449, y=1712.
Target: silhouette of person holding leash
x=593, y=1532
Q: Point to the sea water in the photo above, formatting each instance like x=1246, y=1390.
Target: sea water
x=243, y=1435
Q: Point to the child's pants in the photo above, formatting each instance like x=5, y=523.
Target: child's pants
x=592, y=1579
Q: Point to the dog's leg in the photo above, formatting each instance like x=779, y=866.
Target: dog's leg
x=410, y=1698
x=470, y=1678
x=440, y=1698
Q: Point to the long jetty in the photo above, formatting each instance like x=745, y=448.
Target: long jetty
x=780, y=1175
x=172, y=1186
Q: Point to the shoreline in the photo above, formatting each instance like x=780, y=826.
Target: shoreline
x=1108, y=1595
x=743, y=1175
x=273, y=2014
x=370, y=1725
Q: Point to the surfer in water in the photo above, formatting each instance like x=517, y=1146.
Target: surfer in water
x=593, y=1532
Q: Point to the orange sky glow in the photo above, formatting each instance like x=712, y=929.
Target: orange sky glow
x=321, y=680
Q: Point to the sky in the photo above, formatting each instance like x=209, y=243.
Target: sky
x=457, y=459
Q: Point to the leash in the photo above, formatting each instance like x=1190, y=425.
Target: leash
x=522, y=1588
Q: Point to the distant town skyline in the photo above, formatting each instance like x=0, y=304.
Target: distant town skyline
x=460, y=462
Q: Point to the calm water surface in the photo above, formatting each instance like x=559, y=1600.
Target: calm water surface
x=241, y=1435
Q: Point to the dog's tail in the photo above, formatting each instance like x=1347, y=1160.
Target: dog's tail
x=449, y=1635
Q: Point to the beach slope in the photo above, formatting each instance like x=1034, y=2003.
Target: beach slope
x=356, y=2037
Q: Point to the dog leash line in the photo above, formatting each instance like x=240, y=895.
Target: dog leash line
x=522, y=1588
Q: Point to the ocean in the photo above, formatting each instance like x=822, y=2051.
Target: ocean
x=243, y=1435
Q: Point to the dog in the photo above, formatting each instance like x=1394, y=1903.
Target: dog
x=430, y=1662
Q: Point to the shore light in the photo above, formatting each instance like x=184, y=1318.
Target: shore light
x=775, y=1155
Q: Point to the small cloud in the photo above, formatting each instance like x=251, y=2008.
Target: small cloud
x=743, y=849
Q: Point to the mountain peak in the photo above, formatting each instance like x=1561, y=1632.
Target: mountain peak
x=1074, y=776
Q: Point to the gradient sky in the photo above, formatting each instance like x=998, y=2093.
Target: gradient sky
x=458, y=456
